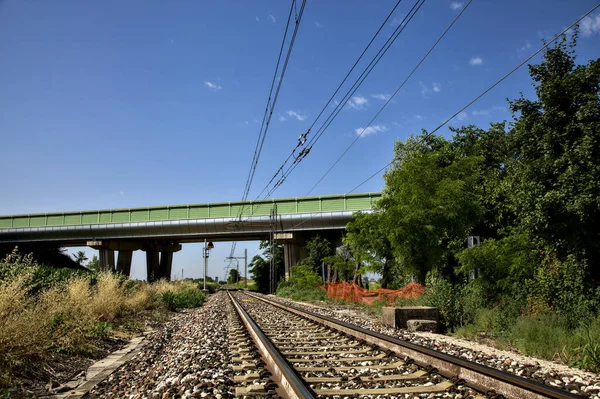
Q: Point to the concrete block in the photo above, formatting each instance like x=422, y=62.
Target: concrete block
x=422, y=325
x=398, y=316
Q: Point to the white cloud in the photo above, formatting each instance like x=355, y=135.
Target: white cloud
x=298, y=115
x=246, y=123
x=398, y=20
x=455, y=5
x=426, y=90
x=462, y=116
x=381, y=96
x=489, y=111
x=257, y=19
x=590, y=25
x=358, y=102
x=282, y=118
x=318, y=24
x=272, y=18
x=476, y=61
x=212, y=86
x=418, y=117
x=370, y=130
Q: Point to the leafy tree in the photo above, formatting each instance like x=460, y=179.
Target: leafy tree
x=430, y=203
x=555, y=177
x=260, y=265
x=234, y=276
x=366, y=236
x=94, y=264
x=79, y=257
x=318, y=249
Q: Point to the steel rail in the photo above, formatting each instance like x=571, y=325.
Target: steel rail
x=285, y=376
x=479, y=377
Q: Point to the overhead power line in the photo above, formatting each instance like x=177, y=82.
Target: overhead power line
x=364, y=129
x=271, y=102
x=546, y=44
x=341, y=104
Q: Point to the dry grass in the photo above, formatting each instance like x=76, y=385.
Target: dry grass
x=69, y=317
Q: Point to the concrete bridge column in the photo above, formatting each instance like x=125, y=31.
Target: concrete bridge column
x=291, y=256
x=166, y=263
x=107, y=259
x=152, y=265
x=160, y=266
x=124, y=262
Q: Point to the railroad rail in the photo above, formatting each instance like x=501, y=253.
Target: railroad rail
x=310, y=355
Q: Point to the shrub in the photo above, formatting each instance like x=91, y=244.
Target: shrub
x=295, y=294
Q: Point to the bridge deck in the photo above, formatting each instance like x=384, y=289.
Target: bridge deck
x=290, y=206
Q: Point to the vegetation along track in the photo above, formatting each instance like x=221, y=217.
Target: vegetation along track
x=310, y=355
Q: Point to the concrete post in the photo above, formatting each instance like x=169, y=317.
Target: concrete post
x=124, y=262
x=152, y=265
x=107, y=259
x=291, y=256
x=166, y=263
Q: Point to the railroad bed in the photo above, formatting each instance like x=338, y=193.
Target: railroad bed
x=308, y=355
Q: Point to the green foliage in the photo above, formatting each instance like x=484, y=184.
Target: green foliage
x=94, y=264
x=234, y=276
x=499, y=263
x=318, y=249
x=366, y=236
x=79, y=257
x=555, y=178
x=259, y=266
x=431, y=203
x=303, y=277
x=562, y=285
x=297, y=294
x=182, y=299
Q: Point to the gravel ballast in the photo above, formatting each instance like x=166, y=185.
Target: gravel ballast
x=187, y=358
x=557, y=375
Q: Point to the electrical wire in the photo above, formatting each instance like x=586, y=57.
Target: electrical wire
x=271, y=104
x=340, y=105
x=546, y=44
x=392, y=96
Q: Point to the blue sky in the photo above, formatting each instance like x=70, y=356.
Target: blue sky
x=120, y=104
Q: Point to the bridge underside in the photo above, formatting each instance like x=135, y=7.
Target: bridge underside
x=159, y=239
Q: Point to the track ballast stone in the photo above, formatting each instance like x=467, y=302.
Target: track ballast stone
x=187, y=358
x=575, y=381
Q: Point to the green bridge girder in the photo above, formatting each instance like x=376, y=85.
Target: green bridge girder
x=326, y=203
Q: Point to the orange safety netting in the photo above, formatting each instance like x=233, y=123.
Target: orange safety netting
x=351, y=292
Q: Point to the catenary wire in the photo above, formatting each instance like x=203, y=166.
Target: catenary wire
x=392, y=96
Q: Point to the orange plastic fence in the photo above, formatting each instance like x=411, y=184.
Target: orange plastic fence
x=353, y=293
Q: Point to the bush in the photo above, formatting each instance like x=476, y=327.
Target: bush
x=181, y=297
x=295, y=294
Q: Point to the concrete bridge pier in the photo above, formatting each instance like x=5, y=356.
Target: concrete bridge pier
x=159, y=256
x=107, y=259
x=152, y=265
x=124, y=262
x=293, y=250
x=159, y=259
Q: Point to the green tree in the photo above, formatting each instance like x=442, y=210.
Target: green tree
x=555, y=177
x=79, y=257
x=430, y=204
x=233, y=277
x=259, y=266
x=367, y=236
x=318, y=249
x=94, y=264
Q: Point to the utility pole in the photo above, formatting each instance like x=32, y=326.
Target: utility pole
x=272, y=268
x=205, y=254
x=245, y=257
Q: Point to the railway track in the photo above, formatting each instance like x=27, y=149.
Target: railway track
x=309, y=355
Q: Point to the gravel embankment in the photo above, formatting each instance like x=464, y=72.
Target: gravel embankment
x=556, y=375
x=188, y=357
